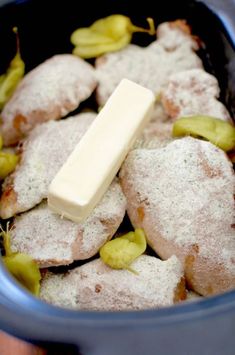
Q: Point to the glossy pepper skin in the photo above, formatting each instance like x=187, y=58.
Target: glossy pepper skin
x=13, y=75
x=105, y=35
x=119, y=253
x=8, y=162
x=22, y=267
x=218, y=132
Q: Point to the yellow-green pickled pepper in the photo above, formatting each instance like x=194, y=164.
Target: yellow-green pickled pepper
x=14, y=74
x=25, y=271
x=119, y=253
x=218, y=132
x=8, y=162
x=22, y=267
x=106, y=35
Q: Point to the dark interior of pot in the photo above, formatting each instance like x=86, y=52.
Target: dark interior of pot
x=44, y=29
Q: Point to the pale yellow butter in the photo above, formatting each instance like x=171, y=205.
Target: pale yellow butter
x=86, y=175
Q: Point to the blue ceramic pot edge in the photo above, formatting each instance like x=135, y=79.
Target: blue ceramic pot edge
x=225, y=11
x=17, y=305
x=6, y=2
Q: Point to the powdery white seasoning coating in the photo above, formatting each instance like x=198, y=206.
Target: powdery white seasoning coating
x=52, y=241
x=50, y=91
x=150, y=66
x=173, y=34
x=44, y=152
x=158, y=129
x=193, y=92
x=182, y=195
x=96, y=286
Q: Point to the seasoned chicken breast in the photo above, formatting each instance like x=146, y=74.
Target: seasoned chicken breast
x=49, y=92
x=193, y=92
x=95, y=286
x=182, y=195
x=52, y=241
x=151, y=67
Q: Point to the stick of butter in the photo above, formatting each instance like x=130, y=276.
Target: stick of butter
x=86, y=175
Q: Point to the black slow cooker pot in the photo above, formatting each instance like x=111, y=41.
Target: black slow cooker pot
x=205, y=326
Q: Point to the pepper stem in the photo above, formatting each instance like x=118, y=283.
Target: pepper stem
x=15, y=30
x=151, y=31
x=6, y=240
